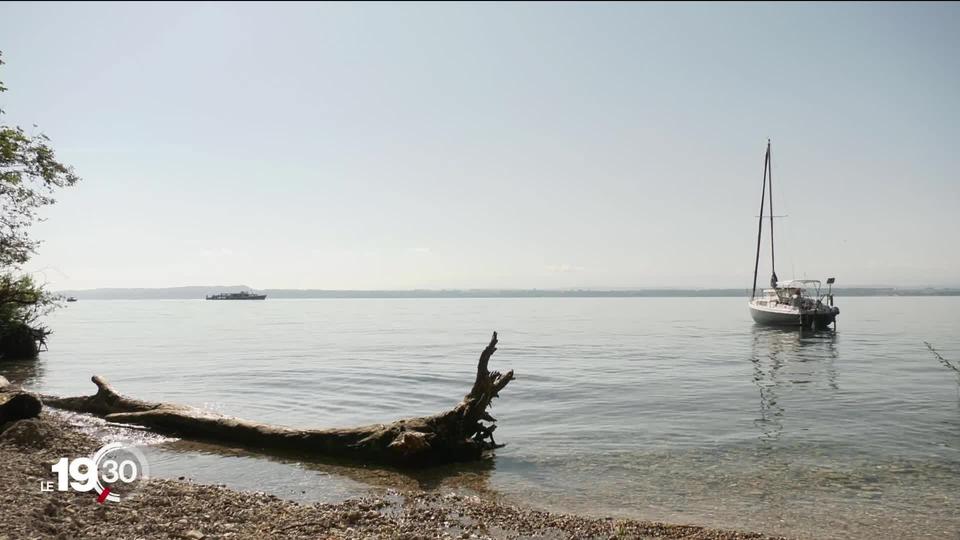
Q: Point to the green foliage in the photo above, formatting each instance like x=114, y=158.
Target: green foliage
x=23, y=301
x=22, y=304
x=29, y=175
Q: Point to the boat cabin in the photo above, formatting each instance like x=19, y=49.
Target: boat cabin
x=793, y=293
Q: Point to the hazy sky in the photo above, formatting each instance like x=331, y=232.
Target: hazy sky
x=494, y=145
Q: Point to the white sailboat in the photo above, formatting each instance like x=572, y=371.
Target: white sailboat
x=797, y=303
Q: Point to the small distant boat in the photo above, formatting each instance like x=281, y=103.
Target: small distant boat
x=71, y=299
x=797, y=303
x=242, y=295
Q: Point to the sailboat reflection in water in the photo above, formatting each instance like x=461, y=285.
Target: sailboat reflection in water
x=788, y=365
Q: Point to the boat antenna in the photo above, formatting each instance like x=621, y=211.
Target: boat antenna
x=773, y=269
x=763, y=194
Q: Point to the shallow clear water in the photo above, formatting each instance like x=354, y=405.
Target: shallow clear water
x=673, y=409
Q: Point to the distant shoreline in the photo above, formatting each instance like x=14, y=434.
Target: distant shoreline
x=199, y=292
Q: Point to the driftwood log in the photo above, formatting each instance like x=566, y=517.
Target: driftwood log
x=459, y=434
x=15, y=404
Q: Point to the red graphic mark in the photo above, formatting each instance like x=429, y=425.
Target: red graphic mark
x=103, y=495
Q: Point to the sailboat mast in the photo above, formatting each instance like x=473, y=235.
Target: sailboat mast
x=763, y=194
x=773, y=269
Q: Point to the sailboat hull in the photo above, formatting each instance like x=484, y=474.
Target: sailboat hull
x=774, y=317
x=787, y=316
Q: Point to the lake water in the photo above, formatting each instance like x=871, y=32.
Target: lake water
x=672, y=409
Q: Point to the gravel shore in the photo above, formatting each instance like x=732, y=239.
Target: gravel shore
x=178, y=509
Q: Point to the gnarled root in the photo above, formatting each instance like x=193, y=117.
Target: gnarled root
x=459, y=434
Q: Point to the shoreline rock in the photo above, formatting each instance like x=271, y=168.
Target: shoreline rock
x=15, y=404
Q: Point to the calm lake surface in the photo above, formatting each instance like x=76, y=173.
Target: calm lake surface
x=673, y=409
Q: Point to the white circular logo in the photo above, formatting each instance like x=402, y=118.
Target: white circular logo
x=115, y=472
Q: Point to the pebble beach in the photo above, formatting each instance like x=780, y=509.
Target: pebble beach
x=165, y=508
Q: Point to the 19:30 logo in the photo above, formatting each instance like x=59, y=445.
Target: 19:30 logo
x=114, y=472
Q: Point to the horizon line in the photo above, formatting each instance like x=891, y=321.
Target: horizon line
x=518, y=289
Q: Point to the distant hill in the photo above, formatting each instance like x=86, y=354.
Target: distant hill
x=199, y=292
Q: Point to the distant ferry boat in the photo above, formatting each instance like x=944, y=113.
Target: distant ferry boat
x=788, y=303
x=243, y=295
x=71, y=299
